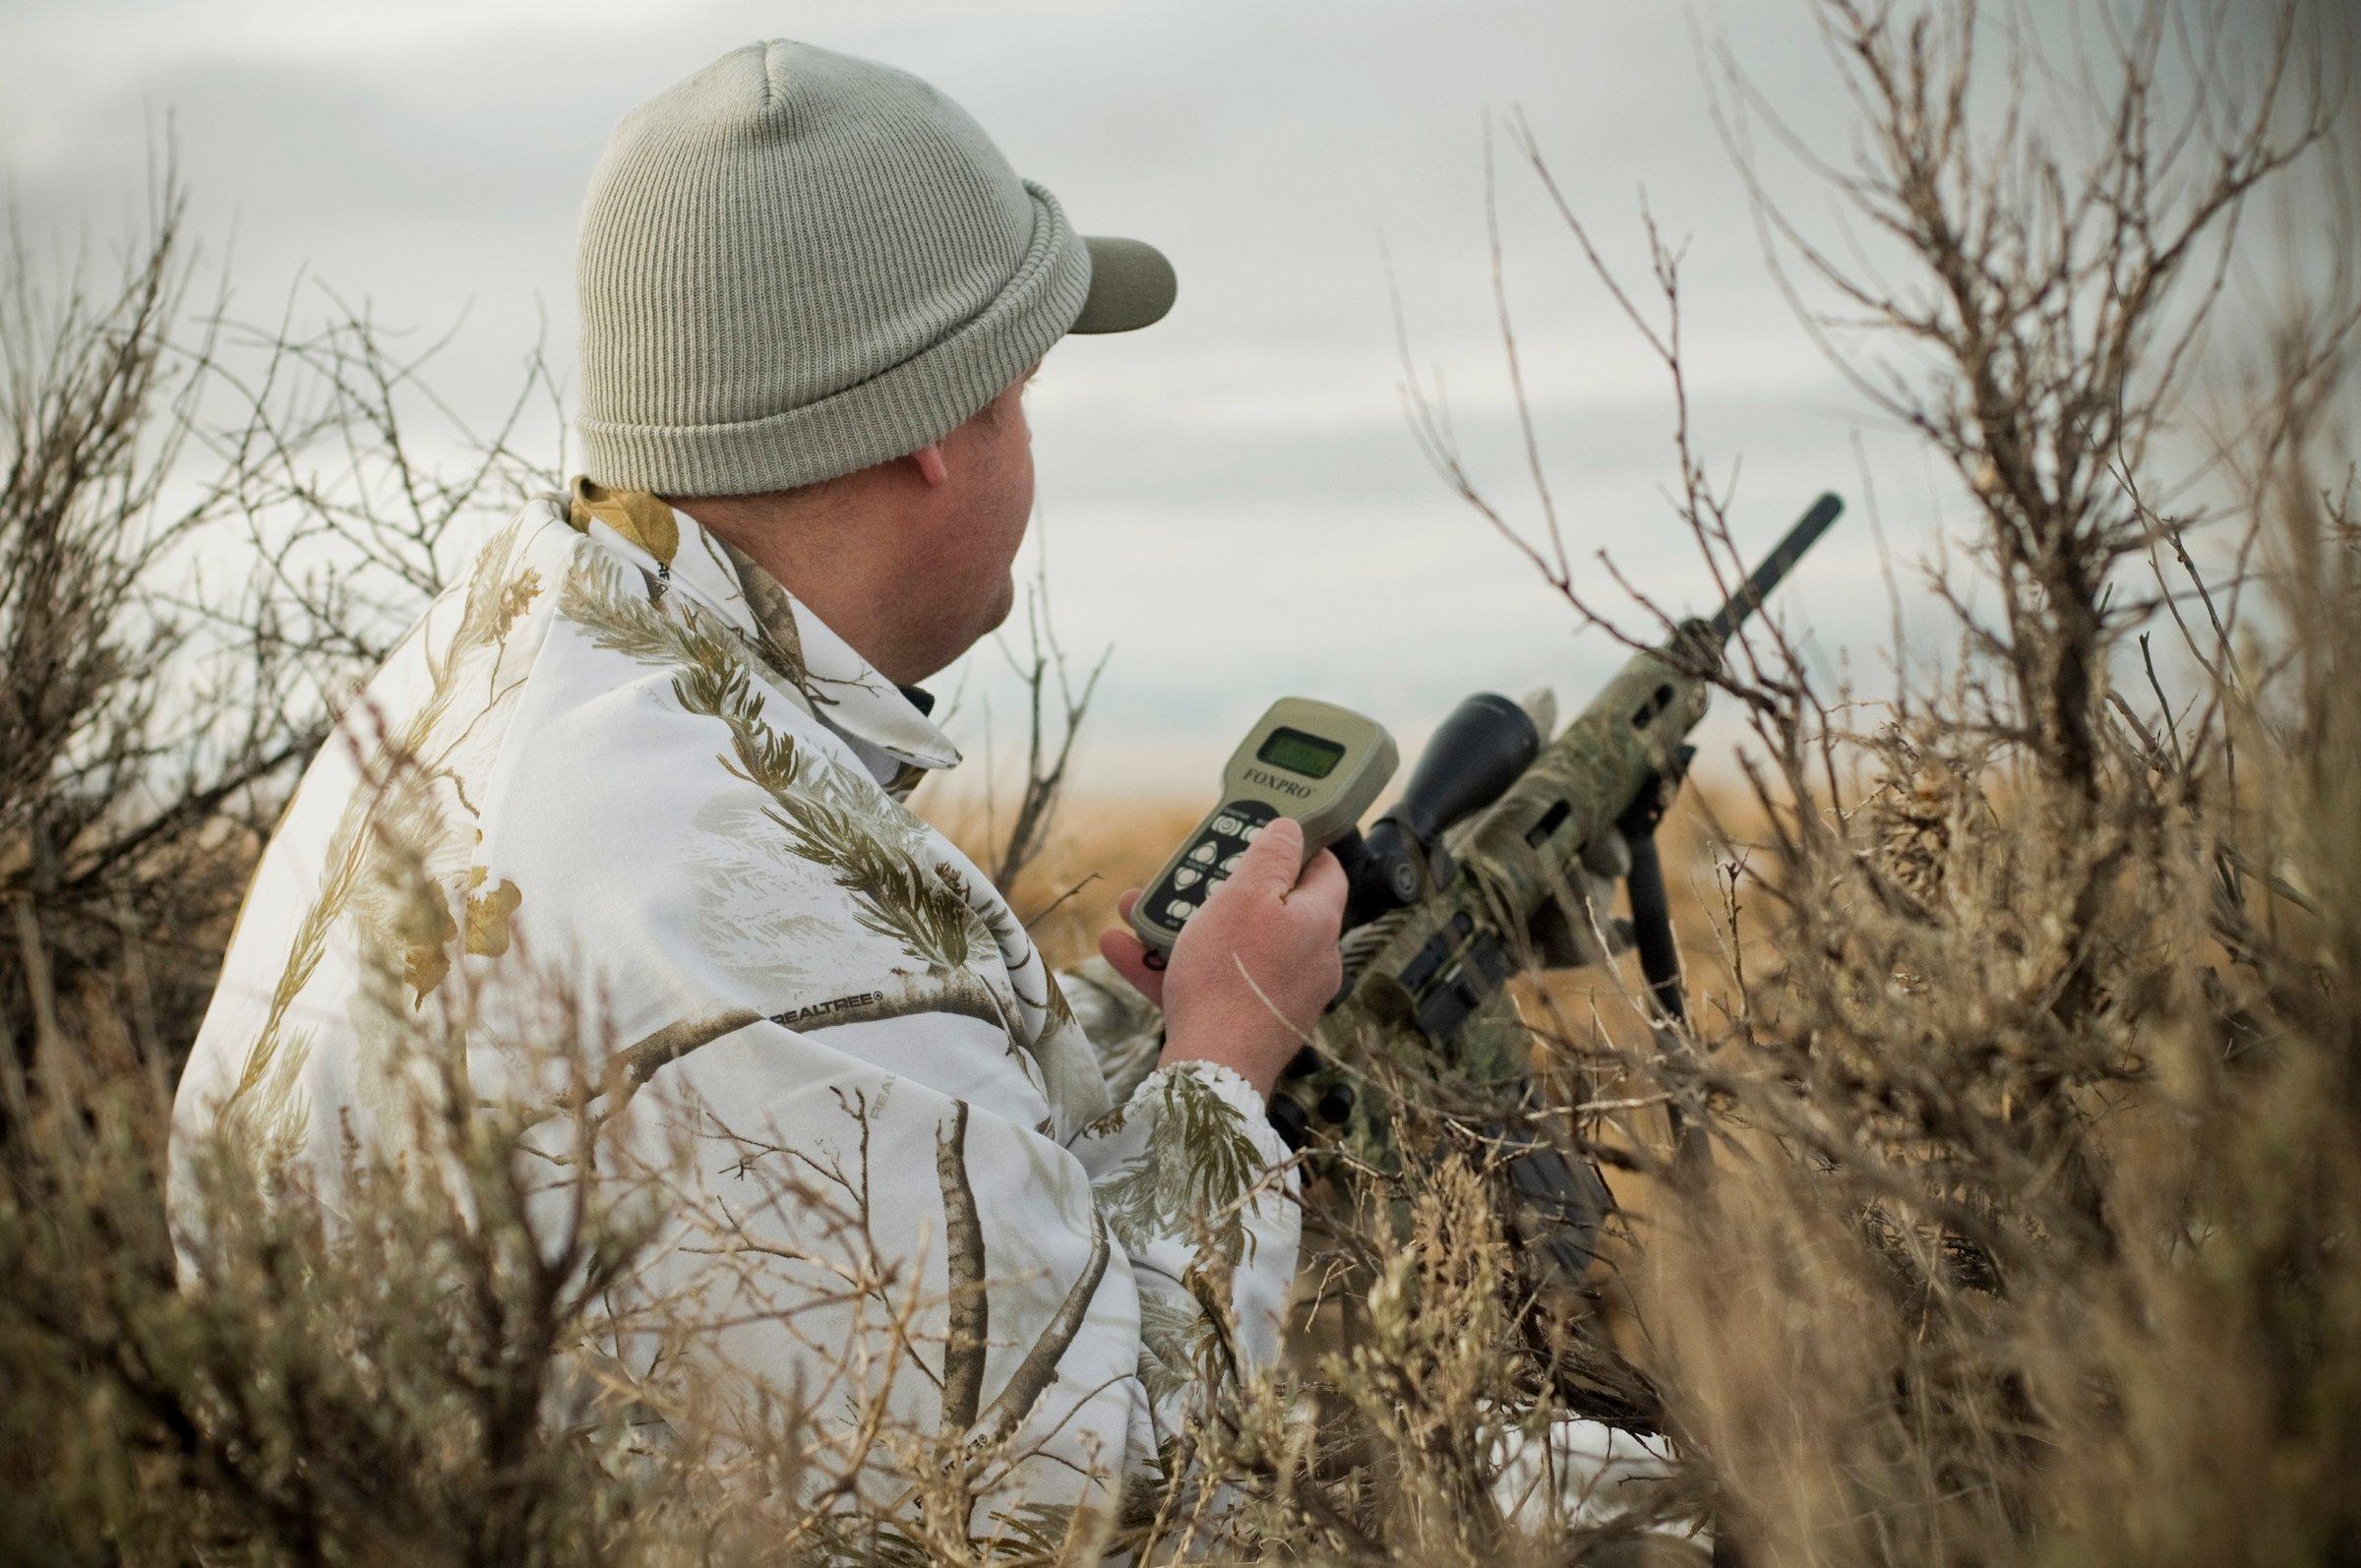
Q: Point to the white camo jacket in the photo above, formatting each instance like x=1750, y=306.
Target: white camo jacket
x=616, y=755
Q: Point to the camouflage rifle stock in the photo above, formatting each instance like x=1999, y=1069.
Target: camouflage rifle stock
x=1445, y=920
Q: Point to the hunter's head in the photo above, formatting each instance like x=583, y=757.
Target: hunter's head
x=811, y=292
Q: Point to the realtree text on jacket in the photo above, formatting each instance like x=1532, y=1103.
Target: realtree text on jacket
x=617, y=759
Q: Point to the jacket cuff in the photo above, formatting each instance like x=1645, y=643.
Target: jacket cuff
x=1231, y=1087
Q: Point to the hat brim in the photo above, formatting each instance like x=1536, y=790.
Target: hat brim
x=1132, y=285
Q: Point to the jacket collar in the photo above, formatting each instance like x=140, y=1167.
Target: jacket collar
x=826, y=677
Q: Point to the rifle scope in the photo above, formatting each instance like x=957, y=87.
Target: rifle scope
x=1487, y=742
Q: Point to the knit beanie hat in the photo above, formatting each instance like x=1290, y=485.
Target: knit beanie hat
x=795, y=264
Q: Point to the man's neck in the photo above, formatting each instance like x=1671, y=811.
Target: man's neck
x=829, y=563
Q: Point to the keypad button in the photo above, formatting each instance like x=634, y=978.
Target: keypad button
x=1220, y=845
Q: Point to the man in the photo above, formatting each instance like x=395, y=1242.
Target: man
x=649, y=752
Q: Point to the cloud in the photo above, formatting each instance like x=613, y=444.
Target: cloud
x=1233, y=497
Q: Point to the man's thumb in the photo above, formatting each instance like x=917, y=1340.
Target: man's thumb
x=1275, y=859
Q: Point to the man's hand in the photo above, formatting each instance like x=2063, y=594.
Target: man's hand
x=1253, y=968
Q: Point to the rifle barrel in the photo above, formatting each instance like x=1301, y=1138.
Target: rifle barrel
x=1774, y=566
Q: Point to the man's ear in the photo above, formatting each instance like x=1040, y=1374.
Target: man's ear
x=930, y=465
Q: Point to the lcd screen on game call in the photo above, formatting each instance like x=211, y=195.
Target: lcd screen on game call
x=1299, y=753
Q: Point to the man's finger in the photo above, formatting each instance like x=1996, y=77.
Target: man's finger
x=1129, y=957
x=1126, y=902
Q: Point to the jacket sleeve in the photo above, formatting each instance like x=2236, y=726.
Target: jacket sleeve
x=1183, y=1343
x=1060, y=1308
x=1199, y=1192
x=894, y=1237
x=1125, y=1027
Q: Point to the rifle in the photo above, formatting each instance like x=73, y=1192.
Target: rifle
x=1471, y=877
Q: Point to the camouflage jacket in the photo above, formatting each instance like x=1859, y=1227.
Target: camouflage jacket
x=617, y=763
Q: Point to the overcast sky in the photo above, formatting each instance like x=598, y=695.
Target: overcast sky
x=1232, y=499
